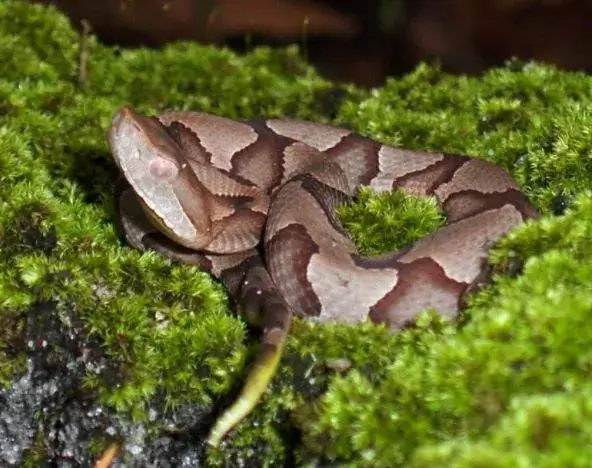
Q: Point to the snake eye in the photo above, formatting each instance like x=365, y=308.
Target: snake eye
x=163, y=170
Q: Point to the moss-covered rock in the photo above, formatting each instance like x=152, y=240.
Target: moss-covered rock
x=101, y=344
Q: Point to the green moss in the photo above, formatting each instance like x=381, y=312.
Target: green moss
x=508, y=384
x=545, y=430
x=388, y=221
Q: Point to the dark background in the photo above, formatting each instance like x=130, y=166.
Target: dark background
x=359, y=41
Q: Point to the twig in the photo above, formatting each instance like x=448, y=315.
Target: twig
x=83, y=57
x=107, y=457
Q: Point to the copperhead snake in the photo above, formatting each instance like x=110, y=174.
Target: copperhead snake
x=253, y=203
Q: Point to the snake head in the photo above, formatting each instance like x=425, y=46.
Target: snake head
x=167, y=189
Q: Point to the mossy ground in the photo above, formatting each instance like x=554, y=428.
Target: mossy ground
x=507, y=386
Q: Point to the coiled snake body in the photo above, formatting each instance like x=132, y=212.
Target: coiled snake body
x=253, y=203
